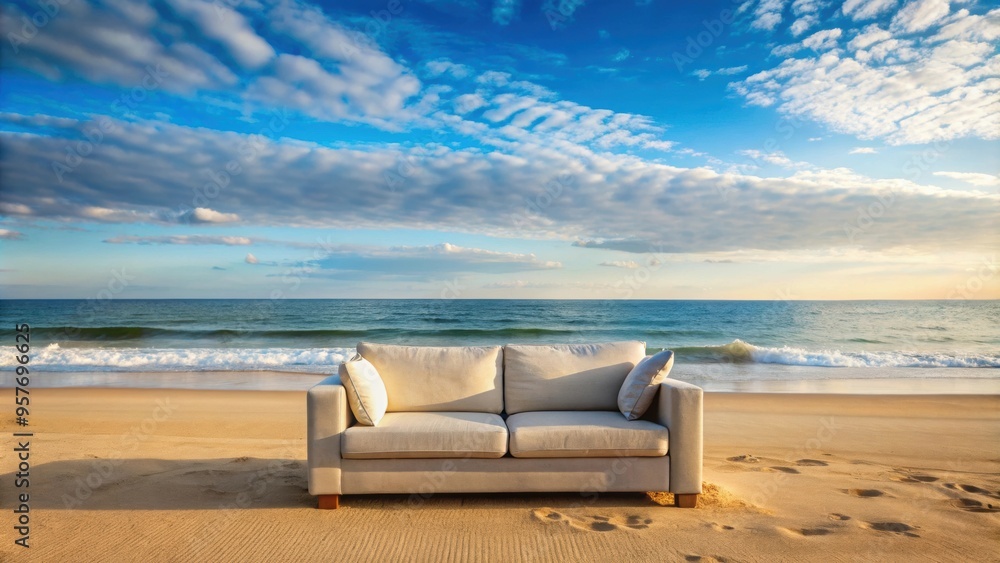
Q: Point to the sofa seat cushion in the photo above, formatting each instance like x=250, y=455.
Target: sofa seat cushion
x=428, y=435
x=584, y=434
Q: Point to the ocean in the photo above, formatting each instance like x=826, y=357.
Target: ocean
x=739, y=340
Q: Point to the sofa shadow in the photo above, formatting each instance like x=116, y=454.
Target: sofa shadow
x=247, y=483
x=165, y=484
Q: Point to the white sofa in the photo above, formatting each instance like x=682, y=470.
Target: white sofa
x=517, y=418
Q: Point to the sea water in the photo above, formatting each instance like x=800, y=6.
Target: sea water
x=737, y=340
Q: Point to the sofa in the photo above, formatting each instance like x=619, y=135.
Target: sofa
x=421, y=420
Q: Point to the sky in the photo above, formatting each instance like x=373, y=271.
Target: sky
x=272, y=149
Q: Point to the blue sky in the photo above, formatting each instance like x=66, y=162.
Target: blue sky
x=759, y=149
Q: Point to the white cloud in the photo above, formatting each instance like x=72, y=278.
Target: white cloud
x=863, y=150
x=627, y=264
x=866, y=9
x=14, y=209
x=820, y=41
x=823, y=40
x=468, y=102
x=505, y=11
x=521, y=284
x=728, y=71
x=228, y=28
x=423, y=261
x=510, y=116
x=621, y=55
x=776, y=158
x=808, y=15
x=330, y=73
x=869, y=36
x=114, y=46
x=801, y=25
x=182, y=240
x=251, y=259
x=205, y=215
x=901, y=89
x=7, y=234
x=766, y=14
x=439, y=67
x=974, y=178
x=918, y=15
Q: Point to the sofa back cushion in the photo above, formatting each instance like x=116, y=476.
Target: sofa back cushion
x=439, y=378
x=567, y=377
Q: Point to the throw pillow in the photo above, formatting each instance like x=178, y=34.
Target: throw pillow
x=640, y=385
x=365, y=390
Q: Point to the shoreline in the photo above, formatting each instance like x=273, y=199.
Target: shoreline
x=713, y=378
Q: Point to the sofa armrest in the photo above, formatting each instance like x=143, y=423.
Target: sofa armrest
x=681, y=411
x=328, y=415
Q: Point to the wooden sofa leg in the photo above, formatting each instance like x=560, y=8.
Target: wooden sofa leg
x=686, y=500
x=329, y=502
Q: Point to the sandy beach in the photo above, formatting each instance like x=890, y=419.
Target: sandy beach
x=219, y=475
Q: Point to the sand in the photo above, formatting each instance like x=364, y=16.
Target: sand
x=213, y=475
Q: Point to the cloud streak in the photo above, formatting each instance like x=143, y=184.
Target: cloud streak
x=649, y=206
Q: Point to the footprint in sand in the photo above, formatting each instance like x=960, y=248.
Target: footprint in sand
x=745, y=458
x=893, y=528
x=837, y=516
x=913, y=478
x=972, y=489
x=791, y=470
x=811, y=463
x=720, y=527
x=805, y=532
x=706, y=558
x=973, y=505
x=595, y=523
x=864, y=493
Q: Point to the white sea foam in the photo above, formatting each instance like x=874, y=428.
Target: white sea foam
x=324, y=360
x=787, y=355
x=55, y=358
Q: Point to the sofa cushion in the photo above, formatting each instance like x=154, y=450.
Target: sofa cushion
x=365, y=391
x=428, y=378
x=428, y=435
x=567, y=377
x=640, y=385
x=584, y=434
